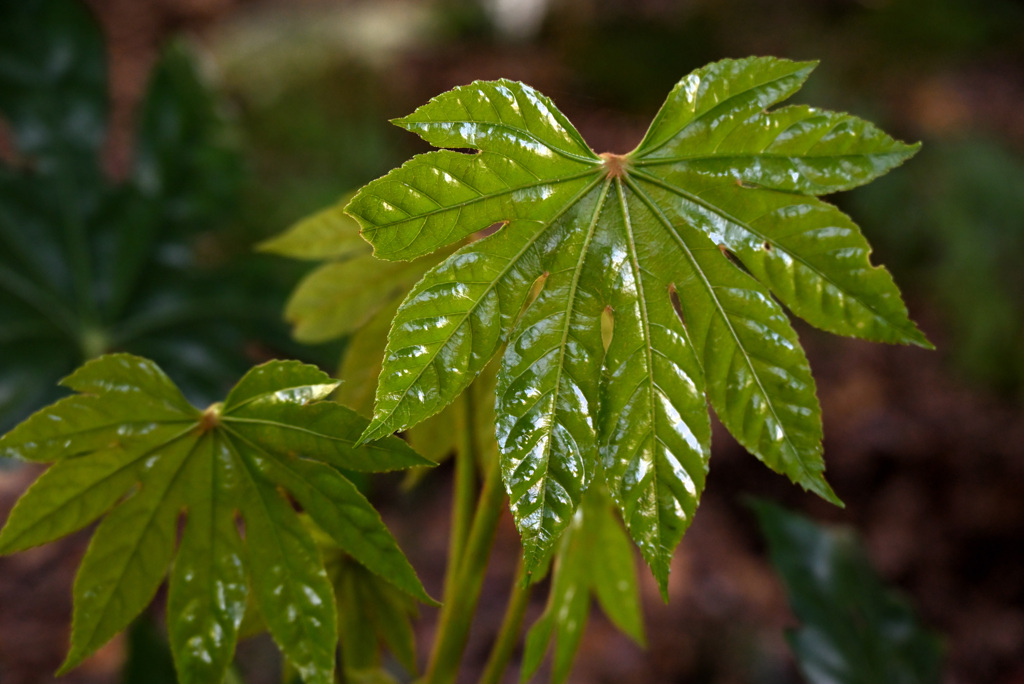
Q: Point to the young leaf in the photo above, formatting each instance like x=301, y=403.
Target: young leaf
x=130, y=441
x=853, y=629
x=679, y=248
x=594, y=556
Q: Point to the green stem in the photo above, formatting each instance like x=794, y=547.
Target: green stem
x=508, y=636
x=465, y=489
x=457, y=612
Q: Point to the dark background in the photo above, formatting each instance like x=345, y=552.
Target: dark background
x=926, y=448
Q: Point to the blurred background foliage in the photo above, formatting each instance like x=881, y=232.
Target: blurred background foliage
x=266, y=111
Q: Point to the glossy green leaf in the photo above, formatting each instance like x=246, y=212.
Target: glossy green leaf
x=659, y=272
x=89, y=265
x=128, y=447
x=853, y=629
x=595, y=557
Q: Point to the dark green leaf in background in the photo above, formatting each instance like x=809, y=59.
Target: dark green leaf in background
x=89, y=265
x=853, y=629
x=129, y=448
x=683, y=248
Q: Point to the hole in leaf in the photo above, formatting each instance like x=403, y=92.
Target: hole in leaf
x=489, y=230
x=607, y=326
x=538, y=287
x=239, y=523
x=535, y=290
x=733, y=258
x=676, y=304
x=180, y=525
x=766, y=246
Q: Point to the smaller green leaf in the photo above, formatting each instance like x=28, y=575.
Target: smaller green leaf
x=853, y=628
x=364, y=601
x=593, y=556
x=328, y=234
x=134, y=435
x=361, y=363
x=613, y=569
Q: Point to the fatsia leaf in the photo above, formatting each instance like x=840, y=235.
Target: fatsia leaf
x=129, y=448
x=853, y=628
x=593, y=557
x=662, y=275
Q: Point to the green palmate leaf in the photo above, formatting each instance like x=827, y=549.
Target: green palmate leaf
x=129, y=447
x=853, y=628
x=662, y=274
x=594, y=556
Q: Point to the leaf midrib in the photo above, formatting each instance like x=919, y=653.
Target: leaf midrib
x=296, y=428
x=481, y=197
x=648, y=356
x=660, y=161
x=560, y=366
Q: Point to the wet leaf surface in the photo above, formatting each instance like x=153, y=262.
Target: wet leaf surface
x=689, y=244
